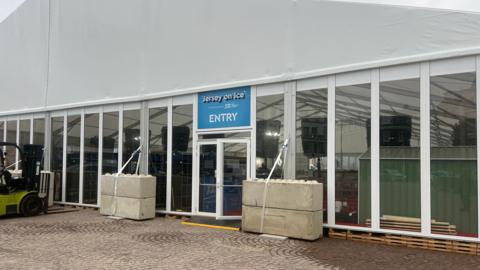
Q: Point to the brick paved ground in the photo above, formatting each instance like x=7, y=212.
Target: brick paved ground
x=86, y=240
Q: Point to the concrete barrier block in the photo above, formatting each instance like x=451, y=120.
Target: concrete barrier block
x=108, y=184
x=137, y=209
x=136, y=186
x=15, y=173
x=106, y=205
x=296, y=224
x=284, y=194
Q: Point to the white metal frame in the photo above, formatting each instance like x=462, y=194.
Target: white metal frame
x=219, y=143
x=331, y=78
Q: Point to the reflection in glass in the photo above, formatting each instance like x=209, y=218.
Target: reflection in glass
x=158, y=153
x=311, y=134
x=352, y=155
x=131, y=139
x=11, y=138
x=73, y=158
x=90, y=156
x=39, y=131
x=400, y=155
x=269, y=134
x=453, y=153
x=110, y=143
x=24, y=133
x=182, y=158
x=234, y=172
x=208, y=178
x=57, y=155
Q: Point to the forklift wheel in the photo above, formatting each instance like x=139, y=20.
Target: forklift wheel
x=31, y=206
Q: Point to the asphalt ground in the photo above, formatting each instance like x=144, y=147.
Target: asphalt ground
x=87, y=240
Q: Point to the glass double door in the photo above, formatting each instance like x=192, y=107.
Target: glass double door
x=223, y=164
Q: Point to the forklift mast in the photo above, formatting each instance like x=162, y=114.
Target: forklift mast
x=32, y=159
x=30, y=162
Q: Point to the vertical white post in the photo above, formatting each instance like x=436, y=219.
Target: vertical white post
x=144, y=135
x=17, y=139
x=477, y=72
x=169, y=155
x=195, y=179
x=64, y=157
x=375, y=148
x=219, y=186
x=331, y=152
x=31, y=128
x=120, y=137
x=253, y=139
x=82, y=156
x=47, y=142
x=100, y=155
x=425, y=148
x=290, y=125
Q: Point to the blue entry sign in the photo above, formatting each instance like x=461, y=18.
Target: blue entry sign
x=226, y=108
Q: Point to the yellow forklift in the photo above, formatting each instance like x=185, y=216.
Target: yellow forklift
x=26, y=195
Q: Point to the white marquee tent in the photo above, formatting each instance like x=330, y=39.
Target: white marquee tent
x=68, y=53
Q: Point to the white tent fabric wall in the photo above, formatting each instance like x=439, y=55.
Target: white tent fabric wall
x=83, y=52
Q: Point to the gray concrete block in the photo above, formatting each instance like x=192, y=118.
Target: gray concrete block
x=284, y=194
x=107, y=184
x=16, y=173
x=137, y=209
x=106, y=205
x=296, y=224
x=136, y=186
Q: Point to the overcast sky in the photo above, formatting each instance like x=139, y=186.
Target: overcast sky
x=8, y=6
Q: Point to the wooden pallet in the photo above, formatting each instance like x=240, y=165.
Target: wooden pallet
x=413, y=224
x=408, y=241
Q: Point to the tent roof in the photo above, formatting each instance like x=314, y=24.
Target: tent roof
x=63, y=54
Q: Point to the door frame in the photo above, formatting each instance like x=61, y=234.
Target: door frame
x=219, y=174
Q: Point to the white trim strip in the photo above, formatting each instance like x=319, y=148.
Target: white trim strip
x=331, y=151
x=477, y=66
x=375, y=149
x=425, y=203
x=64, y=158
x=169, y=155
x=82, y=155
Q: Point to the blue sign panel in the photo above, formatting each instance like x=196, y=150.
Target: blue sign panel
x=224, y=108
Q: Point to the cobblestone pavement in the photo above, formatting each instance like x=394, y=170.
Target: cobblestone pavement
x=86, y=240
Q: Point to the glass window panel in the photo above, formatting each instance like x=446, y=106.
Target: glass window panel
x=400, y=155
x=11, y=138
x=73, y=158
x=131, y=139
x=90, y=156
x=453, y=153
x=182, y=158
x=39, y=131
x=269, y=134
x=110, y=143
x=158, y=153
x=57, y=155
x=234, y=172
x=24, y=132
x=352, y=155
x=311, y=134
x=208, y=178
x=2, y=128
